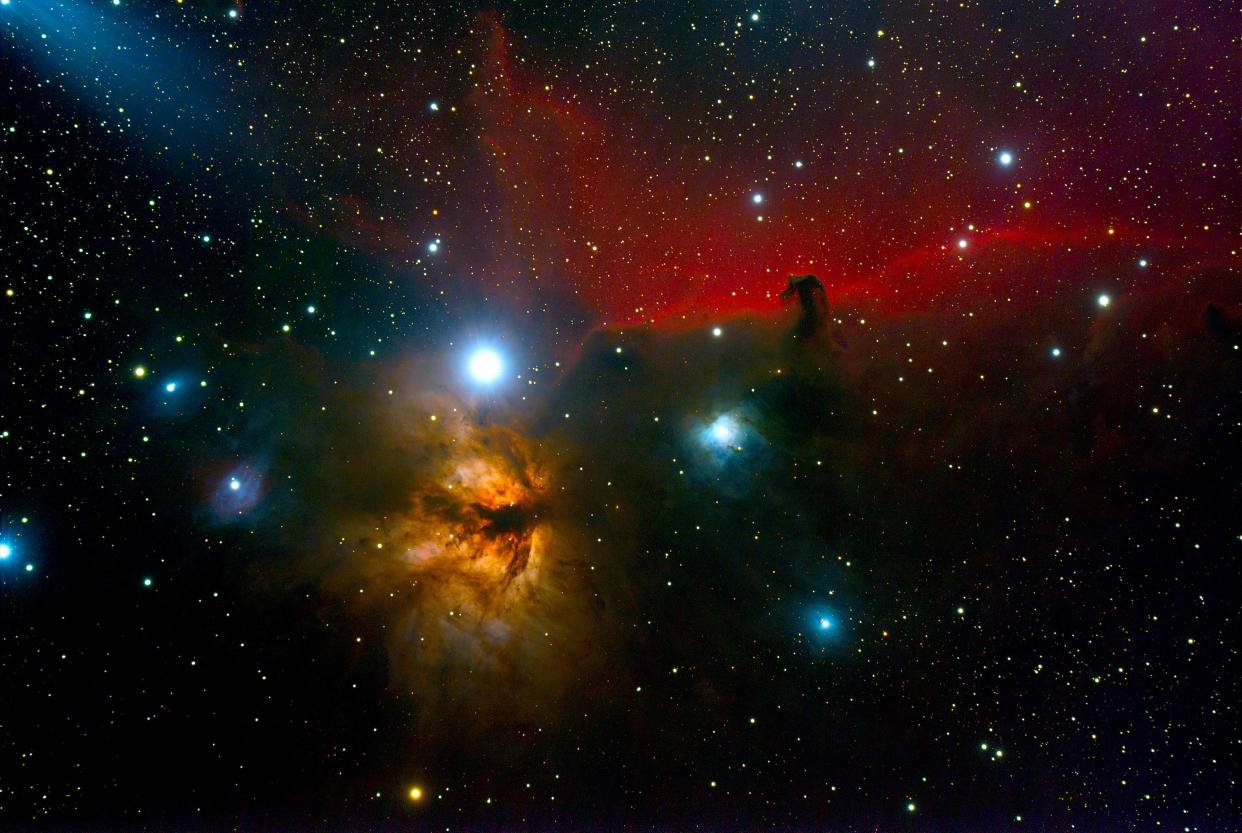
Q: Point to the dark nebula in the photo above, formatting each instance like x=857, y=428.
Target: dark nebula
x=649, y=417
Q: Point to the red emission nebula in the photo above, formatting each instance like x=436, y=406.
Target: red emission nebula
x=646, y=213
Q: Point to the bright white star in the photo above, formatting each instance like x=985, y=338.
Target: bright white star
x=723, y=430
x=485, y=366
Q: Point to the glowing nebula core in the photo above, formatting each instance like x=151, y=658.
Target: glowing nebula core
x=474, y=573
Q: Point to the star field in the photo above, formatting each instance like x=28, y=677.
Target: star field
x=618, y=416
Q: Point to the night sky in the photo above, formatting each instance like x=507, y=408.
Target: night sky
x=405, y=426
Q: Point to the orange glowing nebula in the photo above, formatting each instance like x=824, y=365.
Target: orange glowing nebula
x=474, y=575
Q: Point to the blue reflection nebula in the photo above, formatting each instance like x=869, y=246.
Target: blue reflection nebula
x=238, y=492
x=149, y=86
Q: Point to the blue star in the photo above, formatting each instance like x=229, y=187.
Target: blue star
x=723, y=430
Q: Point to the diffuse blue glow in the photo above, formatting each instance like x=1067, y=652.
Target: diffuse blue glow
x=822, y=625
x=726, y=435
x=6, y=552
x=153, y=87
x=724, y=430
x=238, y=492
